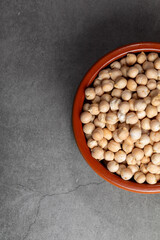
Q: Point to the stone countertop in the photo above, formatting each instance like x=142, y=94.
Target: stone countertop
x=47, y=190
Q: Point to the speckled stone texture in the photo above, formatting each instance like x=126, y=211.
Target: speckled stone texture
x=47, y=190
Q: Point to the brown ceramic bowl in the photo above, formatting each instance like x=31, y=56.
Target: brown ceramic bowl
x=77, y=125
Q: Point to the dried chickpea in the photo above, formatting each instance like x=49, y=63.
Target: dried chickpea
x=116, y=92
x=120, y=156
x=139, y=67
x=115, y=73
x=92, y=143
x=107, y=85
x=133, y=168
x=131, y=59
x=120, y=83
x=96, y=82
x=131, y=118
x=144, y=139
x=115, y=137
x=126, y=174
x=151, y=73
x=156, y=99
x=124, y=107
x=140, y=105
x=129, y=140
x=147, y=100
x=141, y=79
x=145, y=160
x=113, y=166
x=146, y=124
x=90, y=93
x=115, y=64
x=138, y=154
x=147, y=65
x=152, y=168
x=107, y=97
x=123, y=61
x=98, y=123
x=97, y=153
x=111, y=118
x=139, y=177
x=130, y=160
x=131, y=85
x=151, y=178
x=141, y=58
x=102, y=117
x=104, y=74
x=85, y=117
x=127, y=148
x=88, y=136
x=97, y=134
x=131, y=104
x=114, y=146
x=157, y=177
x=142, y=91
x=121, y=166
x=108, y=156
x=132, y=72
x=86, y=107
x=141, y=114
x=157, y=63
x=156, y=147
x=155, y=158
x=97, y=99
x=124, y=70
x=152, y=56
x=121, y=117
x=88, y=128
x=151, y=84
x=111, y=127
x=151, y=111
x=158, y=117
x=148, y=150
x=155, y=125
x=94, y=109
x=98, y=90
x=155, y=136
x=107, y=134
x=103, y=106
x=103, y=143
x=126, y=95
x=122, y=133
x=114, y=103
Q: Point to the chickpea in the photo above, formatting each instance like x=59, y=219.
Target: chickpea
x=103, y=143
x=155, y=136
x=111, y=127
x=158, y=74
x=88, y=128
x=139, y=67
x=121, y=125
x=155, y=158
x=98, y=123
x=92, y=143
x=158, y=108
x=99, y=91
x=126, y=174
x=131, y=104
x=115, y=137
x=126, y=95
x=145, y=160
x=104, y=74
x=142, y=91
x=121, y=117
x=156, y=147
x=106, y=97
x=138, y=154
x=151, y=111
x=141, y=79
x=127, y=148
x=124, y=70
x=158, y=85
x=97, y=99
x=97, y=153
x=147, y=100
x=104, y=106
x=115, y=64
x=131, y=59
x=111, y=118
x=146, y=124
x=90, y=93
x=151, y=178
x=108, y=156
x=131, y=118
x=133, y=168
x=131, y=85
x=120, y=83
x=151, y=73
x=116, y=93
x=102, y=117
x=152, y=56
x=152, y=168
x=130, y=160
x=92, y=119
x=96, y=82
x=114, y=103
x=122, y=133
x=114, y=146
x=157, y=63
x=121, y=166
x=139, y=177
x=138, y=144
x=134, y=96
x=148, y=150
x=157, y=177
x=124, y=107
x=113, y=166
x=158, y=117
x=97, y=134
x=107, y=85
x=132, y=72
x=151, y=84
x=93, y=109
x=120, y=156
x=115, y=73
x=129, y=140
x=107, y=134
x=141, y=114
x=85, y=117
x=141, y=57
x=145, y=139
x=155, y=125
x=140, y=105
x=156, y=100
x=147, y=65
x=123, y=61
x=88, y=136
x=86, y=107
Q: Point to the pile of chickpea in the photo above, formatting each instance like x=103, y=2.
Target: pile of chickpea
x=121, y=117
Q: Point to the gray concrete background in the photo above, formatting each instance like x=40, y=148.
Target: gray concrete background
x=47, y=191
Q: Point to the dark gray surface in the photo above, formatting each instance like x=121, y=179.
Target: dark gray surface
x=47, y=191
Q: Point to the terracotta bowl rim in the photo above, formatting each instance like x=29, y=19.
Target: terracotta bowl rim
x=77, y=125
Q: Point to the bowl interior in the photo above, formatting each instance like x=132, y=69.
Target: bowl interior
x=77, y=125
